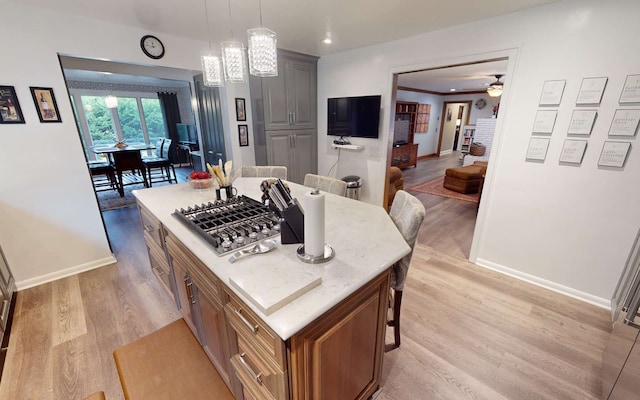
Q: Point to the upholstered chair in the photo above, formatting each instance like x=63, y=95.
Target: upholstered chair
x=407, y=213
x=268, y=171
x=325, y=183
x=396, y=182
x=160, y=161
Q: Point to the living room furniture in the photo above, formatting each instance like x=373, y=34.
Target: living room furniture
x=168, y=364
x=465, y=179
x=407, y=213
x=103, y=176
x=396, y=182
x=326, y=183
x=128, y=160
x=468, y=132
x=405, y=152
x=285, y=131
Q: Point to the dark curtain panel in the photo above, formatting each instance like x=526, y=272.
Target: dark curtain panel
x=171, y=112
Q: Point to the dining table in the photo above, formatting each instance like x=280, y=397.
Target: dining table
x=125, y=157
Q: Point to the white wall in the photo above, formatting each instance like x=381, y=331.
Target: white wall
x=568, y=228
x=50, y=224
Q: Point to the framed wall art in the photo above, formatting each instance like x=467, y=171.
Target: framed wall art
x=625, y=123
x=591, y=91
x=46, y=104
x=630, y=90
x=537, y=150
x=243, y=135
x=582, y=122
x=241, y=113
x=573, y=151
x=10, y=111
x=552, y=92
x=614, y=154
x=545, y=120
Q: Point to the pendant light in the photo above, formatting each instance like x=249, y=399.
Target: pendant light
x=263, y=54
x=110, y=101
x=211, y=64
x=234, y=59
x=495, y=89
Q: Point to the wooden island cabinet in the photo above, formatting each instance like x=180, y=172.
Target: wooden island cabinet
x=326, y=344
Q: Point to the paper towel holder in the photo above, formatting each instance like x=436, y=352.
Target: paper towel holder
x=328, y=255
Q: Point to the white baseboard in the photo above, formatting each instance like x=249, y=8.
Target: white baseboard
x=39, y=280
x=567, y=291
x=444, y=153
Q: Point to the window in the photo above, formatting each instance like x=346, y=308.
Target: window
x=99, y=119
x=153, y=119
x=129, y=117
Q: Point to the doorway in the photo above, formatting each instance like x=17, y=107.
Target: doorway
x=458, y=97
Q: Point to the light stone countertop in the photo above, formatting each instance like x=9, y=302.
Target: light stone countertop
x=365, y=240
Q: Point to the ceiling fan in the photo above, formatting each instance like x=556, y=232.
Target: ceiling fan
x=495, y=88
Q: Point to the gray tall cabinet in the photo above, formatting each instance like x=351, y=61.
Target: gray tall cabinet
x=285, y=115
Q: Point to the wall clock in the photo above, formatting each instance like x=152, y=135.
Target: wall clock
x=152, y=47
x=481, y=103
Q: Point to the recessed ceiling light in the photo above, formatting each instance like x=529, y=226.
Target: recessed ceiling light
x=327, y=40
x=452, y=90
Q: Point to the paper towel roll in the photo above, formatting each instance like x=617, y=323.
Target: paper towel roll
x=314, y=224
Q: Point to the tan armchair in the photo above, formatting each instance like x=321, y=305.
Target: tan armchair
x=396, y=182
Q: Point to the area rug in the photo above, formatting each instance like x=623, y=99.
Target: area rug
x=111, y=200
x=434, y=186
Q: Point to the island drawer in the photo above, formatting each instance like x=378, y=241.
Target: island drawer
x=248, y=325
x=261, y=378
x=152, y=228
x=160, y=267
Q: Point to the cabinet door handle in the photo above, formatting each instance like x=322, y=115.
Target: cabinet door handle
x=149, y=228
x=294, y=140
x=295, y=120
x=158, y=271
x=193, y=301
x=254, y=328
x=255, y=376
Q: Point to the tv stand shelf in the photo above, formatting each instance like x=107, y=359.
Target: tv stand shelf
x=404, y=156
x=347, y=146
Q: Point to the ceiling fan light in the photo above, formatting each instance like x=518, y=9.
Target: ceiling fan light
x=494, y=91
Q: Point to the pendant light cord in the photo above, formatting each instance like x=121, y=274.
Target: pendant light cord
x=230, y=24
x=206, y=13
x=260, y=8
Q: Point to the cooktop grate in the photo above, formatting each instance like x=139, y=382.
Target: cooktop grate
x=230, y=224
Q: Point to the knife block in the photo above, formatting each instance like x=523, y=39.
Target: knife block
x=291, y=224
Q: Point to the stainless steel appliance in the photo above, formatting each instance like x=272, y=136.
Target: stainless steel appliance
x=621, y=357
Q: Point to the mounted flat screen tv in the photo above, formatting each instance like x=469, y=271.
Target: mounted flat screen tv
x=187, y=133
x=354, y=116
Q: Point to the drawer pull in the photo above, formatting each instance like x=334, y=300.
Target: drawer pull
x=158, y=271
x=255, y=376
x=149, y=228
x=254, y=328
x=189, y=291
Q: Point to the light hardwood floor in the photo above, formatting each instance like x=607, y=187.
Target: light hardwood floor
x=467, y=332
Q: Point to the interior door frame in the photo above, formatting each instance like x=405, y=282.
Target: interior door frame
x=442, y=119
x=511, y=56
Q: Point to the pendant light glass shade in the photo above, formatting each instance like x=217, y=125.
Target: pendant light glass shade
x=263, y=55
x=111, y=101
x=212, y=70
x=234, y=61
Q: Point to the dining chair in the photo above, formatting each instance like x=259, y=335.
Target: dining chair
x=160, y=161
x=103, y=176
x=325, y=183
x=407, y=213
x=128, y=160
x=268, y=171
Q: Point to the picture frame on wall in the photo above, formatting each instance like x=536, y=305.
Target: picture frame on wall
x=573, y=151
x=625, y=122
x=243, y=135
x=582, y=122
x=591, y=91
x=10, y=111
x=45, y=103
x=614, y=154
x=537, y=150
x=552, y=92
x=630, y=90
x=544, y=122
x=241, y=112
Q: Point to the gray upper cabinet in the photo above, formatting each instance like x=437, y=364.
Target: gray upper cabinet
x=290, y=98
x=293, y=149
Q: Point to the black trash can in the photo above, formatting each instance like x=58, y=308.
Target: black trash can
x=353, y=186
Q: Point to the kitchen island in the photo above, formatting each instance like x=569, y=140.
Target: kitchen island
x=324, y=340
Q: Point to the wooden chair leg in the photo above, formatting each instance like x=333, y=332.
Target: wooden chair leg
x=120, y=184
x=149, y=175
x=395, y=322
